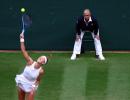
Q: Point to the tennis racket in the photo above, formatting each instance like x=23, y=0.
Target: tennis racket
x=26, y=22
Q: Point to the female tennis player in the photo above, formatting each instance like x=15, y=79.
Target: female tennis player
x=28, y=81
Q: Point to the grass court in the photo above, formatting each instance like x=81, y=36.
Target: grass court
x=83, y=79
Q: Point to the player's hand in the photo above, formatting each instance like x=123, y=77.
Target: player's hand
x=78, y=37
x=21, y=37
x=35, y=87
x=97, y=37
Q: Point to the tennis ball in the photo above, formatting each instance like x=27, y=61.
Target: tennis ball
x=22, y=9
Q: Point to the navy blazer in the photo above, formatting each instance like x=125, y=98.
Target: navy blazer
x=91, y=26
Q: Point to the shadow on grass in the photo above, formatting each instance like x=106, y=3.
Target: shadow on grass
x=96, y=81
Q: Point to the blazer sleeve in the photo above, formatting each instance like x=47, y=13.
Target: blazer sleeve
x=78, y=27
x=96, y=27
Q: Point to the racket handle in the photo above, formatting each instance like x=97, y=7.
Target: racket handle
x=23, y=31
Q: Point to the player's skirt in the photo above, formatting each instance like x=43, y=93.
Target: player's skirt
x=25, y=84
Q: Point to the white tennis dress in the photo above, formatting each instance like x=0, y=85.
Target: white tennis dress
x=26, y=80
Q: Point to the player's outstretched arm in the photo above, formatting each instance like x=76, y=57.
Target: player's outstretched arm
x=23, y=49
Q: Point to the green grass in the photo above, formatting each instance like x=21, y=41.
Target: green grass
x=83, y=79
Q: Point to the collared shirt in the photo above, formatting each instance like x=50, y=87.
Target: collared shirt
x=90, y=25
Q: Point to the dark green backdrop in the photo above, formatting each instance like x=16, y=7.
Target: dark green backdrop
x=53, y=25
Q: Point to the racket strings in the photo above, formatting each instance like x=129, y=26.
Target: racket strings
x=26, y=21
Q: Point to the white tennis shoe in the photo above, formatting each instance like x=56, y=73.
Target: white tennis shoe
x=101, y=57
x=73, y=57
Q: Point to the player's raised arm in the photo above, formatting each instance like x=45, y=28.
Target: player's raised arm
x=23, y=49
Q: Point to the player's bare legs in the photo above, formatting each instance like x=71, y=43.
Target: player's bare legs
x=21, y=94
x=30, y=95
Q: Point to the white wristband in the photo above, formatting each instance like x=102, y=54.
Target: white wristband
x=21, y=40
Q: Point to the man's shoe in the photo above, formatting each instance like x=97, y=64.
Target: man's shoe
x=73, y=57
x=101, y=57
